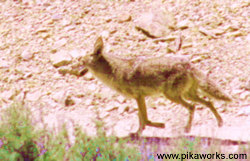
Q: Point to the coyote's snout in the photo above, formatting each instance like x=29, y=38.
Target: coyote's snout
x=173, y=76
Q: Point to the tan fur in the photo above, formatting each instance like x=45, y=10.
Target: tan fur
x=173, y=76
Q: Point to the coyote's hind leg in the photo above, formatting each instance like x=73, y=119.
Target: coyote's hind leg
x=178, y=99
x=211, y=107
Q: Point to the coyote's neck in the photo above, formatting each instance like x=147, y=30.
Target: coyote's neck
x=101, y=66
x=112, y=70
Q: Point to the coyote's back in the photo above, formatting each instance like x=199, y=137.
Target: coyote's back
x=173, y=76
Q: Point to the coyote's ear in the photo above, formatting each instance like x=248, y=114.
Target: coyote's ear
x=98, y=47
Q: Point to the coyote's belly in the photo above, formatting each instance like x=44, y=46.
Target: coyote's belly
x=135, y=91
x=132, y=87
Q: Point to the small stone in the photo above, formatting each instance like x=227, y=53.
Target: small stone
x=111, y=108
x=170, y=49
x=236, y=91
x=92, y=87
x=218, y=32
x=88, y=102
x=56, y=17
x=63, y=70
x=60, y=58
x=78, y=72
x=45, y=35
x=60, y=43
x=83, y=71
x=66, y=22
x=89, y=76
x=101, y=6
x=45, y=4
x=104, y=115
x=112, y=31
x=77, y=53
x=58, y=96
x=34, y=96
x=7, y=95
x=244, y=111
x=4, y=64
x=69, y=101
x=116, y=104
x=49, y=22
x=187, y=46
x=87, y=10
x=27, y=55
x=41, y=30
x=125, y=17
x=183, y=24
x=248, y=38
x=169, y=38
x=27, y=75
x=236, y=34
x=247, y=86
x=197, y=59
x=108, y=20
x=121, y=99
x=206, y=32
x=245, y=95
x=105, y=34
x=123, y=108
x=27, y=2
x=238, y=39
x=69, y=28
x=106, y=93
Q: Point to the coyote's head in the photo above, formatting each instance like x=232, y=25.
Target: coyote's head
x=90, y=59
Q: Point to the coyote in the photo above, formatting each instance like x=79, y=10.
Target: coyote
x=173, y=76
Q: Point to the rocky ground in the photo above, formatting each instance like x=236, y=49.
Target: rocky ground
x=41, y=39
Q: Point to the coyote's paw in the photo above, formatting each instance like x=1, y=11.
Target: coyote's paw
x=187, y=129
x=156, y=124
x=220, y=123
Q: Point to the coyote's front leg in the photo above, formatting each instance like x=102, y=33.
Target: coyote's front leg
x=143, y=117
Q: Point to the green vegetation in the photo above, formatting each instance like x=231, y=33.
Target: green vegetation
x=19, y=140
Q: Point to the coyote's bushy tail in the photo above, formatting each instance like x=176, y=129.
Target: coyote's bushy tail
x=209, y=86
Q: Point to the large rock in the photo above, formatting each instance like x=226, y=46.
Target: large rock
x=155, y=23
